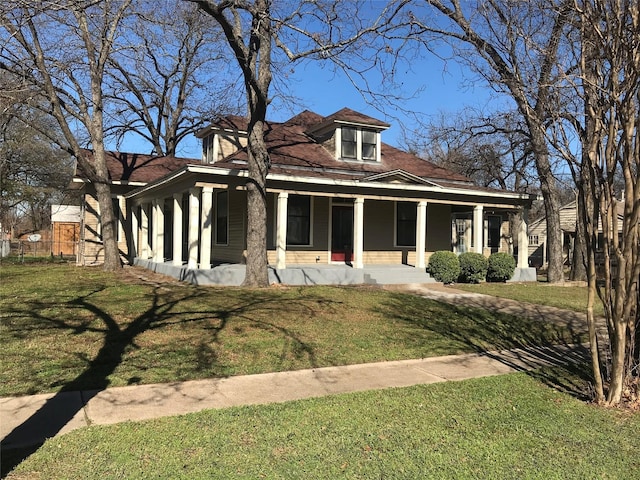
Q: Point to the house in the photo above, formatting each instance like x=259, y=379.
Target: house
x=337, y=196
x=538, y=253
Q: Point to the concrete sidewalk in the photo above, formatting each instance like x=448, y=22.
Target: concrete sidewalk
x=28, y=421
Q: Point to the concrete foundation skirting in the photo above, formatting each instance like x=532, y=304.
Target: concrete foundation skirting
x=233, y=274
x=528, y=274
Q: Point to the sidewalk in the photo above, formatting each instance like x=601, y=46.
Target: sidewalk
x=27, y=421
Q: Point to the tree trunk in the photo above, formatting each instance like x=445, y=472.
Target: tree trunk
x=257, y=266
x=555, y=269
x=579, y=258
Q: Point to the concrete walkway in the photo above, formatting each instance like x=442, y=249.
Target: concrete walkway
x=28, y=421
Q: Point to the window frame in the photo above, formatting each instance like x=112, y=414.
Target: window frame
x=412, y=221
x=292, y=217
x=218, y=240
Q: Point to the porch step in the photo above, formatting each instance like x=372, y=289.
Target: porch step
x=396, y=275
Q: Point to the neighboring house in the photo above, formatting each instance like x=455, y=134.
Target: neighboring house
x=538, y=251
x=336, y=194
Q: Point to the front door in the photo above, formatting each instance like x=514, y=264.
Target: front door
x=342, y=233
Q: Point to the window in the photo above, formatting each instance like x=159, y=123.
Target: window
x=299, y=220
x=369, y=143
x=222, y=218
x=406, y=217
x=534, y=240
x=359, y=144
x=494, y=228
x=349, y=143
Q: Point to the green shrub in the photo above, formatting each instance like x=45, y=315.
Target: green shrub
x=473, y=267
x=444, y=266
x=501, y=267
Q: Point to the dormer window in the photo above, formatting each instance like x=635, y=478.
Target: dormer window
x=209, y=148
x=369, y=145
x=359, y=144
x=349, y=143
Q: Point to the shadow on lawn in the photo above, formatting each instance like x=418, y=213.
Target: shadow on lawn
x=118, y=338
x=479, y=328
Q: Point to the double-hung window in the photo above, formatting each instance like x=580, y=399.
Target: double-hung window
x=299, y=220
x=349, y=143
x=222, y=218
x=369, y=145
x=406, y=217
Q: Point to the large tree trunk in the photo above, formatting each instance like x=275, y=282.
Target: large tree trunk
x=555, y=272
x=257, y=266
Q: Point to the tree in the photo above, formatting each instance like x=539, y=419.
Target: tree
x=59, y=50
x=609, y=86
x=255, y=32
x=164, y=79
x=33, y=172
x=514, y=47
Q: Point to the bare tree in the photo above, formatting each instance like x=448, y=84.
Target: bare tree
x=60, y=49
x=609, y=84
x=169, y=76
x=33, y=172
x=256, y=31
x=513, y=46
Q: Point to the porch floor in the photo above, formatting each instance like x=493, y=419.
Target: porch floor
x=233, y=274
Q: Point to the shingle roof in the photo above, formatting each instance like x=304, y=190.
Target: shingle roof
x=137, y=168
x=292, y=151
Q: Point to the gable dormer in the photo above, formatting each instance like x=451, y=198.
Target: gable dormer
x=223, y=138
x=350, y=136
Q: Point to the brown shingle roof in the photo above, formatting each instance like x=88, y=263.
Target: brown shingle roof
x=137, y=168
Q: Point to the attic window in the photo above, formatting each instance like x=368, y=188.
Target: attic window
x=349, y=143
x=369, y=143
x=358, y=144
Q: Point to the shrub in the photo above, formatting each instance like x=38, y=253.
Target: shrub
x=501, y=267
x=473, y=267
x=444, y=266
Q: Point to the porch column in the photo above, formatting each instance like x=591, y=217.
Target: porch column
x=421, y=233
x=207, y=227
x=158, y=230
x=478, y=229
x=523, y=241
x=144, y=231
x=194, y=226
x=135, y=232
x=177, y=229
x=281, y=230
x=358, y=232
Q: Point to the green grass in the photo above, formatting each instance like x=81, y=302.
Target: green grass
x=510, y=426
x=569, y=297
x=71, y=328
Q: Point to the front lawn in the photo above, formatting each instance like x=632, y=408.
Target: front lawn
x=71, y=328
x=510, y=426
x=560, y=296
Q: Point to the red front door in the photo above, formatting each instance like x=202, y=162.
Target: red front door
x=342, y=233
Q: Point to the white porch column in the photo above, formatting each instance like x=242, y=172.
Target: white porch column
x=158, y=230
x=194, y=227
x=478, y=229
x=523, y=241
x=144, y=231
x=206, y=227
x=177, y=229
x=281, y=230
x=421, y=233
x=135, y=232
x=358, y=232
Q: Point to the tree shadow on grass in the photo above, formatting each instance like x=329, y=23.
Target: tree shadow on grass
x=166, y=309
x=479, y=329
